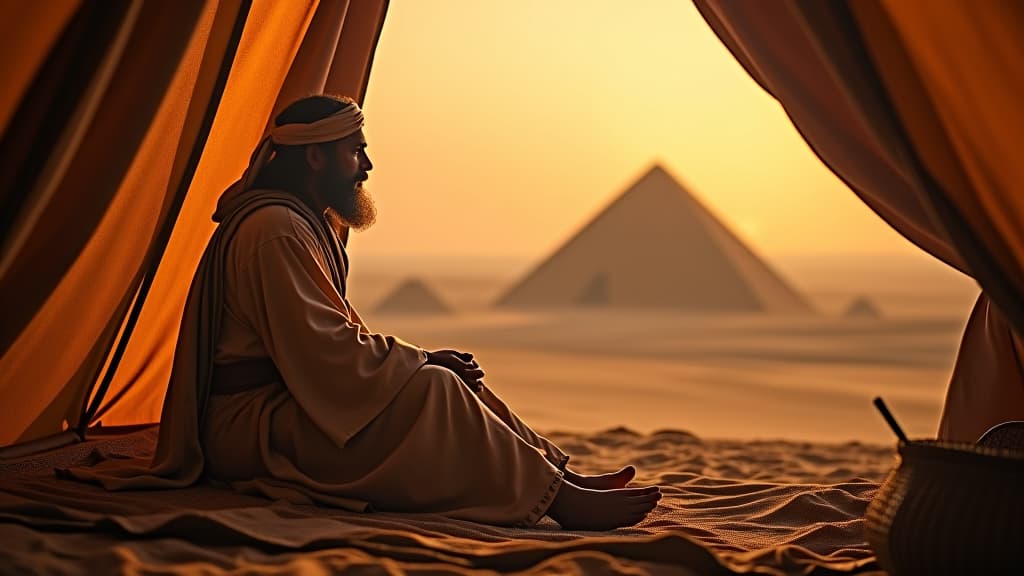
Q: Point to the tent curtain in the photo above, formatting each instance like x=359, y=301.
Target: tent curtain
x=70, y=148
x=916, y=106
x=31, y=43
x=95, y=164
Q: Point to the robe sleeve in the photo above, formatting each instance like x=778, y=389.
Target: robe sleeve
x=354, y=315
x=341, y=375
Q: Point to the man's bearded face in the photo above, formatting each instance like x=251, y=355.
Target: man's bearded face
x=340, y=183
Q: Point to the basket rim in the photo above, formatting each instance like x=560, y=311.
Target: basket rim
x=932, y=448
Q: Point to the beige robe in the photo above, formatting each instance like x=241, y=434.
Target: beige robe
x=359, y=422
x=359, y=419
x=987, y=386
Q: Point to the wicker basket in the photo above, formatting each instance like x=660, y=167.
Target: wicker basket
x=950, y=509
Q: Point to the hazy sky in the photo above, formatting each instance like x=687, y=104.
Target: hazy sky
x=501, y=127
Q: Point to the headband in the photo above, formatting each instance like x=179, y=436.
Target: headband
x=341, y=124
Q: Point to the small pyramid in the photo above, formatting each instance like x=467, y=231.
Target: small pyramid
x=862, y=307
x=412, y=297
x=656, y=246
x=595, y=293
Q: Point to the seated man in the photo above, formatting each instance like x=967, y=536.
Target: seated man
x=287, y=392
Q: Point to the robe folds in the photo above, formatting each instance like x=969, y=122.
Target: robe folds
x=356, y=419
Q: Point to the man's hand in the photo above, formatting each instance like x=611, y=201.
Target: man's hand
x=462, y=364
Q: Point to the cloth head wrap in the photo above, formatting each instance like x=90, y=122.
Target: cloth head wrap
x=341, y=124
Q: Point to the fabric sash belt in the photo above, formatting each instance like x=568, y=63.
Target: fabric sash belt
x=244, y=375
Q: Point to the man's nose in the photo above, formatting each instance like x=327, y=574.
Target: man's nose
x=366, y=164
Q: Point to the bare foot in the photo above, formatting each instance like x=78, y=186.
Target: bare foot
x=608, y=481
x=577, y=508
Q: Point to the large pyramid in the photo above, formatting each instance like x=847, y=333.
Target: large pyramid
x=412, y=297
x=656, y=246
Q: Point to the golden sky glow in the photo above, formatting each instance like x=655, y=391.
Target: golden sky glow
x=501, y=127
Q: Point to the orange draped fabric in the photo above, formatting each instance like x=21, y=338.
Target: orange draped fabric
x=31, y=43
x=965, y=119
x=75, y=155
x=917, y=107
x=159, y=71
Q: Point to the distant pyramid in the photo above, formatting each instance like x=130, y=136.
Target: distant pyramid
x=412, y=297
x=862, y=307
x=656, y=246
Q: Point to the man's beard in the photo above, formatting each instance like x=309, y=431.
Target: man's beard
x=349, y=205
x=355, y=210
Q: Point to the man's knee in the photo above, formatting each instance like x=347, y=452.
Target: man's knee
x=430, y=375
